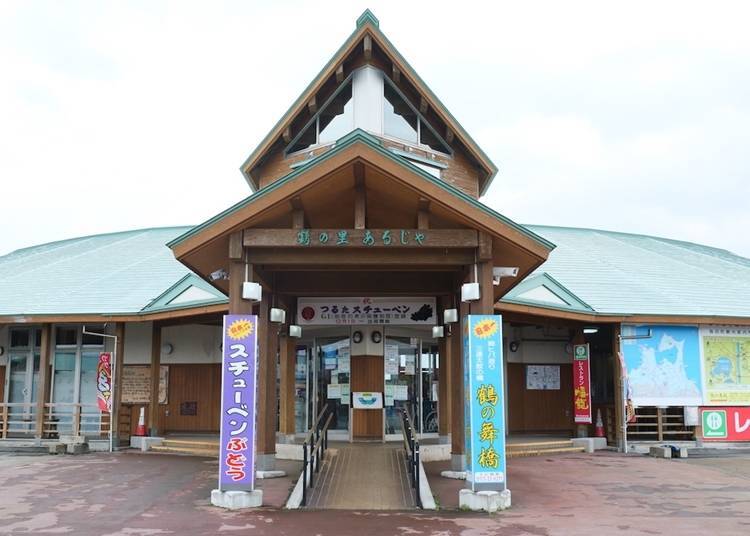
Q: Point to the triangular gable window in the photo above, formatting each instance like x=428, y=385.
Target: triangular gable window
x=381, y=108
x=191, y=294
x=542, y=294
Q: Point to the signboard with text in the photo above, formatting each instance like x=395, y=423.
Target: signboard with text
x=394, y=311
x=238, y=379
x=726, y=423
x=726, y=365
x=484, y=412
x=581, y=384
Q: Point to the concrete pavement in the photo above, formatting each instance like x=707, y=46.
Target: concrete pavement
x=152, y=494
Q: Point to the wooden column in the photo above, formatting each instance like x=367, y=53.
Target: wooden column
x=619, y=417
x=45, y=373
x=360, y=200
x=457, y=390
x=267, y=399
x=444, y=372
x=153, y=407
x=237, y=273
x=287, y=356
x=117, y=371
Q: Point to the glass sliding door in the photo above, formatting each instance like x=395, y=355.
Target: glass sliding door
x=333, y=367
x=429, y=377
x=401, y=381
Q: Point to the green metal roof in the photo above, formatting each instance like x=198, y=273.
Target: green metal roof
x=117, y=273
x=360, y=136
x=620, y=273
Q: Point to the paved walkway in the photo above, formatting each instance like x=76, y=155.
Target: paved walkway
x=363, y=476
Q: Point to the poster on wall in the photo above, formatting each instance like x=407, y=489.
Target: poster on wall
x=726, y=365
x=354, y=311
x=104, y=382
x=136, y=384
x=543, y=377
x=239, y=364
x=484, y=412
x=725, y=423
x=663, y=364
x=581, y=384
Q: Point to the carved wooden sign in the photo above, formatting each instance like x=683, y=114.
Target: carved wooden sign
x=361, y=238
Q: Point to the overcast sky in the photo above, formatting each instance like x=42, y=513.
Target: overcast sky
x=121, y=115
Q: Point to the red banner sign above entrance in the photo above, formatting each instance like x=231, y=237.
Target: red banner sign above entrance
x=393, y=311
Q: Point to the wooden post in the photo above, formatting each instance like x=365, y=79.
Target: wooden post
x=153, y=408
x=457, y=392
x=659, y=424
x=444, y=376
x=619, y=388
x=267, y=399
x=117, y=371
x=43, y=387
x=287, y=356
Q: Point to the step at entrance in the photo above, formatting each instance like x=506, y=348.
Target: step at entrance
x=541, y=448
x=363, y=476
x=192, y=447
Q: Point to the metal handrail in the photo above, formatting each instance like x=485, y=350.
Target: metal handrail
x=311, y=460
x=411, y=446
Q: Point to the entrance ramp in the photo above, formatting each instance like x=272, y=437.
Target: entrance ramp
x=363, y=476
x=519, y=446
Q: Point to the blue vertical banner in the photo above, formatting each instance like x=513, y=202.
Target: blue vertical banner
x=484, y=408
x=238, y=379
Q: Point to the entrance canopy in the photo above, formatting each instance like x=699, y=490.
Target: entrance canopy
x=363, y=209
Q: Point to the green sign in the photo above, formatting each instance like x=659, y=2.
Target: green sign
x=715, y=423
x=365, y=237
x=581, y=352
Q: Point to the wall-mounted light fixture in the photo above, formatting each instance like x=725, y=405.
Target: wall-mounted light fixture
x=438, y=332
x=167, y=348
x=450, y=316
x=469, y=292
x=514, y=346
x=590, y=330
x=252, y=291
x=278, y=315
x=295, y=331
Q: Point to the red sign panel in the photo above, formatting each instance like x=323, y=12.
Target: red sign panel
x=581, y=384
x=104, y=382
x=726, y=423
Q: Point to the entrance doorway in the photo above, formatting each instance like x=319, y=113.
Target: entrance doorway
x=403, y=368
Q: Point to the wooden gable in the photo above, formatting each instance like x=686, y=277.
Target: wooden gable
x=467, y=167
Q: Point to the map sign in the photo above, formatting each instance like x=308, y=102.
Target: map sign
x=663, y=365
x=726, y=365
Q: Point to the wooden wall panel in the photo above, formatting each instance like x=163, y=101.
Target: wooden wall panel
x=537, y=411
x=367, y=375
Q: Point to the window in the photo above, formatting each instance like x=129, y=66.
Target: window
x=19, y=338
x=93, y=340
x=66, y=336
x=399, y=120
x=334, y=120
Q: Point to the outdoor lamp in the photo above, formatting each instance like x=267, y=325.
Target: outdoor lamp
x=438, y=332
x=469, y=292
x=295, y=331
x=591, y=329
x=251, y=291
x=167, y=348
x=278, y=315
x=450, y=316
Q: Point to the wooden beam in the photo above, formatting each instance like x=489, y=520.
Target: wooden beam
x=368, y=47
x=153, y=407
x=484, y=249
x=486, y=302
x=340, y=73
x=360, y=238
x=298, y=213
x=396, y=74
x=44, y=381
x=362, y=257
x=423, y=105
x=312, y=106
x=360, y=199
x=363, y=283
x=423, y=214
x=236, y=251
x=287, y=135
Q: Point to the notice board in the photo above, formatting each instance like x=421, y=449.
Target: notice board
x=136, y=384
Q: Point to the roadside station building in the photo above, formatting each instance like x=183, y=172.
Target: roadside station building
x=363, y=225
